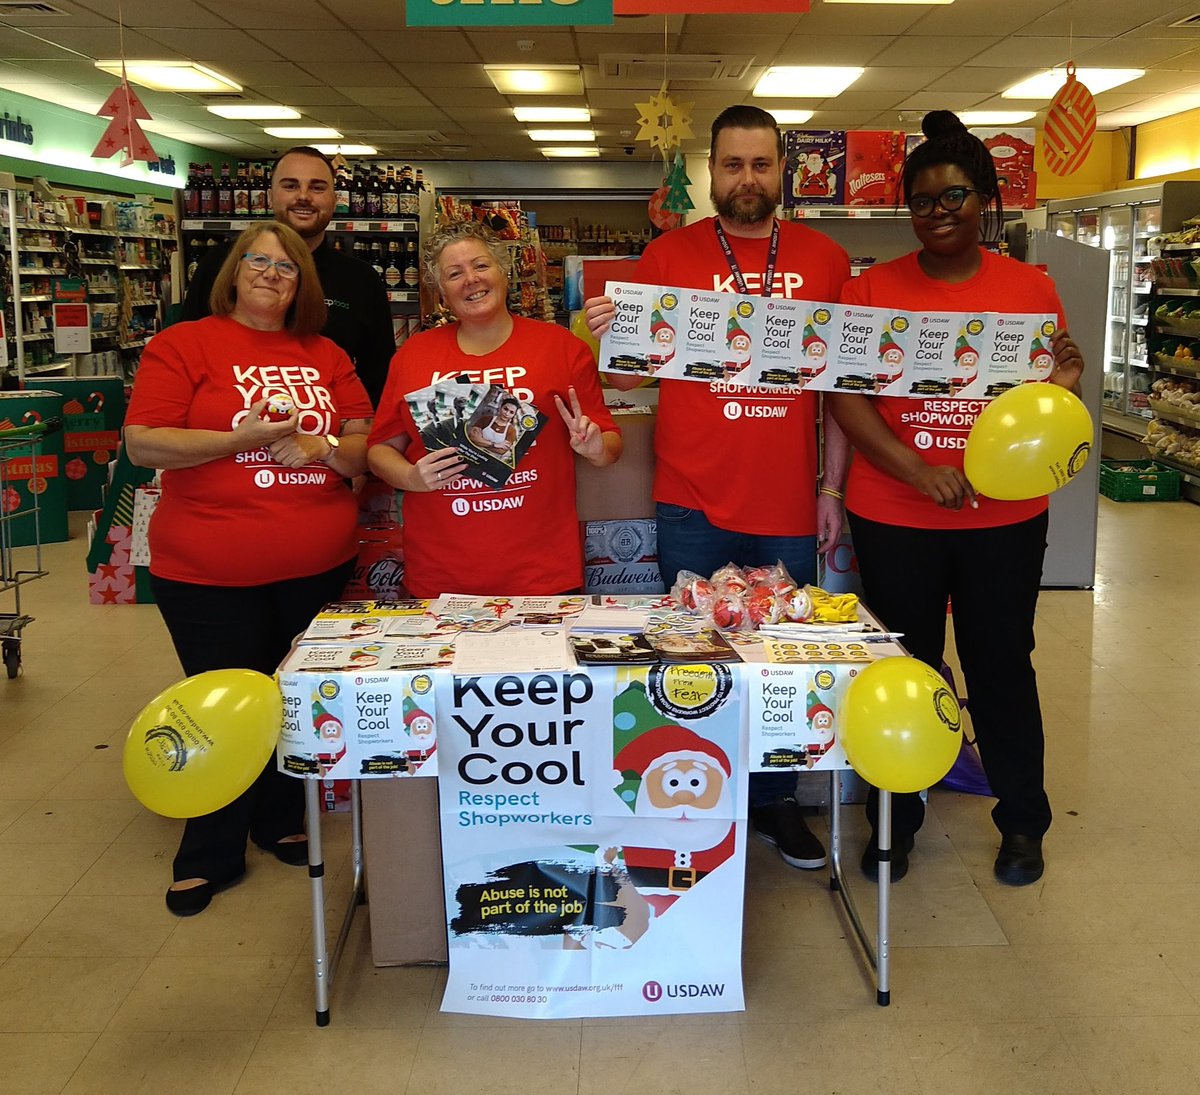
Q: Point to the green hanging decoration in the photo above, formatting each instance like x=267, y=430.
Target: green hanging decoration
x=677, y=199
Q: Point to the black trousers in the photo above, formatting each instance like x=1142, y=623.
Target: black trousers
x=242, y=627
x=991, y=577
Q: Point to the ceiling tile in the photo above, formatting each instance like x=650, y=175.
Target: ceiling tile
x=1029, y=55
x=468, y=96
x=646, y=24
x=984, y=18
x=496, y=47
x=1109, y=18
x=346, y=74
x=272, y=14
x=370, y=15
x=851, y=19
x=319, y=45
x=446, y=76
x=912, y=51
x=852, y=99
x=840, y=119
x=846, y=49
x=1133, y=53
x=972, y=79
x=93, y=42
x=144, y=14
x=391, y=95
x=301, y=96
x=448, y=44
x=211, y=46
x=897, y=79
x=261, y=73
x=82, y=15
x=938, y=100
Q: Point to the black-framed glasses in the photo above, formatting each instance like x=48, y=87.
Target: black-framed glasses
x=260, y=264
x=950, y=199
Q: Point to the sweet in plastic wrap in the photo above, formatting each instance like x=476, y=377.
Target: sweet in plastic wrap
x=798, y=606
x=693, y=592
x=730, y=577
x=729, y=611
x=763, y=606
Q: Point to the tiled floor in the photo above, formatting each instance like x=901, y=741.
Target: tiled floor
x=1088, y=982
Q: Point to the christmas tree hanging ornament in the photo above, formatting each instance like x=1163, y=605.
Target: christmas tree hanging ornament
x=1070, y=126
x=124, y=109
x=677, y=199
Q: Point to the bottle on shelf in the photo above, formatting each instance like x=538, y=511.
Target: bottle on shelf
x=393, y=274
x=225, y=193
x=337, y=243
x=412, y=269
x=191, y=192
x=358, y=194
x=419, y=182
x=374, y=198
x=341, y=192
x=359, y=250
x=391, y=195
x=377, y=256
x=241, y=191
x=409, y=203
x=208, y=192
x=258, y=191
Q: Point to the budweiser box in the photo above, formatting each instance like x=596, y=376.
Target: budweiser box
x=815, y=167
x=874, y=159
x=621, y=557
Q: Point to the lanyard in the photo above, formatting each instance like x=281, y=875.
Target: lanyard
x=736, y=270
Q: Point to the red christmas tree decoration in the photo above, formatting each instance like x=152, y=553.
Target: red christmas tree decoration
x=123, y=133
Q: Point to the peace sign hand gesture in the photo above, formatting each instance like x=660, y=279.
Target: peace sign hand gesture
x=585, y=436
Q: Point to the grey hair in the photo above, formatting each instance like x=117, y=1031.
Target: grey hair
x=451, y=234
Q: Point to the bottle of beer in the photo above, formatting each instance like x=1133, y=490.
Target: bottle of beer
x=208, y=193
x=412, y=270
x=225, y=193
x=391, y=195
x=393, y=275
x=377, y=256
x=409, y=203
x=241, y=191
x=337, y=242
x=191, y=192
x=358, y=194
x=258, y=191
x=374, y=200
x=341, y=193
x=359, y=250
x=420, y=179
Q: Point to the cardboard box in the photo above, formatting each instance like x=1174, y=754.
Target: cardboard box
x=621, y=557
x=622, y=490
x=874, y=159
x=402, y=850
x=814, y=171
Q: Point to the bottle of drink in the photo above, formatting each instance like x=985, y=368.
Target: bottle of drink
x=258, y=191
x=420, y=179
x=374, y=199
x=195, y=251
x=191, y=192
x=359, y=251
x=412, y=270
x=358, y=194
x=391, y=194
x=409, y=204
x=208, y=192
x=241, y=191
x=341, y=193
x=338, y=243
x=377, y=256
x=225, y=193
x=393, y=275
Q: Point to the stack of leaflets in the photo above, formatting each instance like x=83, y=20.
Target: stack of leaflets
x=489, y=426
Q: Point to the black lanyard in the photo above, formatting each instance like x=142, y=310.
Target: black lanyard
x=736, y=270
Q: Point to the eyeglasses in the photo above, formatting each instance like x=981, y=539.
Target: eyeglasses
x=950, y=199
x=260, y=264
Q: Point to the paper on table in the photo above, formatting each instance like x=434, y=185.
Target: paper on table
x=523, y=650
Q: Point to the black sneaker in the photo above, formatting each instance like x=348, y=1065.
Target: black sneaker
x=781, y=823
x=870, y=858
x=1019, y=862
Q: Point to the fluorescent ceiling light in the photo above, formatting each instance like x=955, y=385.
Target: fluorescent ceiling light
x=172, y=76
x=302, y=132
x=785, y=82
x=565, y=135
x=570, y=153
x=347, y=149
x=545, y=80
x=791, y=117
x=255, y=112
x=995, y=117
x=551, y=114
x=1045, y=85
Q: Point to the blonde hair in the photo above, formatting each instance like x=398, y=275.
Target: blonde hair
x=458, y=233
x=307, y=313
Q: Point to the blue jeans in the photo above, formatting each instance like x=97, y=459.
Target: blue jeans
x=688, y=541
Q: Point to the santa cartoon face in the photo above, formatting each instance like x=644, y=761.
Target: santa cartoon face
x=664, y=338
x=1043, y=362
x=893, y=357
x=421, y=727
x=814, y=162
x=684, y=802
x=815, y=351
x=822, y=726
x=967, y=361
x=739, y=347
x=329, y=728
x=682, y=784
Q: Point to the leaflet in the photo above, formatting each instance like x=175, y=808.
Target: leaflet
x=686, y=334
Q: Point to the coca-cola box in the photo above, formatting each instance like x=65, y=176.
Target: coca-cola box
x=874, y=159
x=379, y=570
x=621, y=557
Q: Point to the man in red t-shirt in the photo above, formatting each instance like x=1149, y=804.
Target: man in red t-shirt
x=737, y=464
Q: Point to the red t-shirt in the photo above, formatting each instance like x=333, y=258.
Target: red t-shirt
x=521, y=540
x=245, y=519
x=937, y=428
x=745, y=455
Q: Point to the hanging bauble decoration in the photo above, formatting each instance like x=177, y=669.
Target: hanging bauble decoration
x=1070, y=126
x=660, y=216
x=123, y=134
x=664, y=123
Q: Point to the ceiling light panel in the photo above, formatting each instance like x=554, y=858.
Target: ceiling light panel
x=1044, y=86
x=172, y=76
x=566, y=136
x=570, y=153
x=791, y=117
x=546, y=114
x=255, y=112
x=303, y=132
x=995, y=117
x=805, y=82
x=544, y=80
x=347, y=149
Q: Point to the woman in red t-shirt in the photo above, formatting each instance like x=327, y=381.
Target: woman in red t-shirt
x=256, y=527
x=921, y=533
x=461, y=535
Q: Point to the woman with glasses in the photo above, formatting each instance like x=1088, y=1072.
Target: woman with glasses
x=258, y=423
x=922, y=534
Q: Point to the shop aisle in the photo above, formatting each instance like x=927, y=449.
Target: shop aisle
x=1087, y=983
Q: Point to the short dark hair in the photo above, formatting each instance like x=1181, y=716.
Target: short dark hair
x=949, y=142
x=305, y=150
x=745, y=117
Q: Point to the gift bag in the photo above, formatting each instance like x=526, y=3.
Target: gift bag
x=145, y=501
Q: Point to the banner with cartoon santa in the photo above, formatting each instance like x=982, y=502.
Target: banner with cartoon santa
x=593, y=859
x=685, y=334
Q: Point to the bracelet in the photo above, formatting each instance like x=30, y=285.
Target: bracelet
x=832, y=493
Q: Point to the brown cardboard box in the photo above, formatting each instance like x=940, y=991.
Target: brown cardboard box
x=621, y=490
x=402, y=848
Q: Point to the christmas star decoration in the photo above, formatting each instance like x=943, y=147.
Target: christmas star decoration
x=663, y=122
x=123, y=107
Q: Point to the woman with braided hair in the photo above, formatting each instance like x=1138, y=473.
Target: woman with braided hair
x=922, y=534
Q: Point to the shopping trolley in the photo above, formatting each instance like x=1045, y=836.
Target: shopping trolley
x=19, y=449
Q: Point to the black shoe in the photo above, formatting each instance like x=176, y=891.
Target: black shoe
x=1020, y=860
x=899, y=860
x=781, y=823
x=191, y=901
x=292, y=852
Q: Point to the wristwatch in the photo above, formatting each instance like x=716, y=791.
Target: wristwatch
x=333, y=441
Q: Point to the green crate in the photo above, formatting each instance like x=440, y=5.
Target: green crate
x=1138, y=481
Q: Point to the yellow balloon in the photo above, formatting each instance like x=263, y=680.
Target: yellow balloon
x=1029, y=441
x=200, y=743
x=901, y=725
x=579, y=328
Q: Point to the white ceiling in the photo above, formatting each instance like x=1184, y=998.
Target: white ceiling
x=423, y=93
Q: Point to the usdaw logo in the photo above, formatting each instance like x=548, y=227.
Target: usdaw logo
x=460, y=507
x=733, y=411
x=652, y=991
x=264, y=478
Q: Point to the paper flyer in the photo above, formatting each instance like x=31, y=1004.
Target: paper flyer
x=357, y=726
x=592, y=873
x=685, y=334
x=383, y=657
x=793, y=716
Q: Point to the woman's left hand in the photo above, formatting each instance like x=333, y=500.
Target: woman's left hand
x=1068, y=361
x=298, y=449
x=586, y=438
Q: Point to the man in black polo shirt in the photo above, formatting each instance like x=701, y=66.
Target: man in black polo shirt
x=359, y=321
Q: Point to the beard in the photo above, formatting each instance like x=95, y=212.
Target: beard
x=744, y=206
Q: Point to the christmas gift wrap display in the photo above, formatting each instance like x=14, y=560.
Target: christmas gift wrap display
x=593, y=856
x=682, y=334
x=93, y=414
